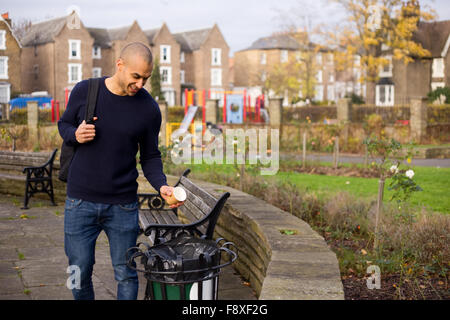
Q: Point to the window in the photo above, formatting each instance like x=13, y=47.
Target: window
x=36, y=71
x=96, y=72
x=386, y=70
x=319, y=93
x=169, y=96
x=2, y=39
x=5, y=91
x=182, y=58
x=166, y=75
x=216, y=77
x=263, y=76
x=319, y=76
x=438, y=68
x=435, y=85
x=284, y=56
x=319, y=58
x=263, y=58
x=165, y=54
x=330, y=59
x=216, y=55
x=96, y=52
x=3, y=67
x=330, y=93
x=384, y=95
x=331, y=78
x=74, y=49
x=182, y=77
x=75, y=72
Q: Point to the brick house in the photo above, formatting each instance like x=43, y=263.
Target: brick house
x=204, y=61
x=165, y=47
x=399, y=83
x=108, y=44
x=56, y=54
x=253, y=65
x=10, y=66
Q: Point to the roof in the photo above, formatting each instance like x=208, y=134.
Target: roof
x=151, y=34
x=119, y=33
x=101, y=37
x=11, y=30
x=433, y=36
x=280, y=41
x=192, y=40
x=43, y=32
x=104, y=37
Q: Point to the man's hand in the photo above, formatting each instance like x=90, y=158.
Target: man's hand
x=166, y=192
x=85, y=132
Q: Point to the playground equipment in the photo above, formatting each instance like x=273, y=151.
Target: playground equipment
x=237, y=106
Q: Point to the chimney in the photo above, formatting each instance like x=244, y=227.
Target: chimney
x=5, y=17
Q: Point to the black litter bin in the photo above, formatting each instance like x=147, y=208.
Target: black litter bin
x=184, y=268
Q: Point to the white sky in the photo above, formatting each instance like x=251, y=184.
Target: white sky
x=241, y=21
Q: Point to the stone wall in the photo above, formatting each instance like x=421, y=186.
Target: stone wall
x=278, y=266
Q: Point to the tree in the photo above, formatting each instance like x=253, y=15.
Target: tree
x=156, y=82
x=376, y=25
x=298, y=74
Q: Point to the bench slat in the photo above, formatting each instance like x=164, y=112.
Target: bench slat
x=199, y=192
x=194, y=211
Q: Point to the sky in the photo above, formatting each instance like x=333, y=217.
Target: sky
x=241, y=21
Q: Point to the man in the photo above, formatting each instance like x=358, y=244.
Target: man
x=101, y=184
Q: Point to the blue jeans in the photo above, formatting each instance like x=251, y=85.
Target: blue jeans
x=83, y=222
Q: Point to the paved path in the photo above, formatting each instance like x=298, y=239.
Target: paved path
x=350, y=158
x=33, y=264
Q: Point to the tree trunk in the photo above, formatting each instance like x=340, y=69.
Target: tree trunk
x=379, y=209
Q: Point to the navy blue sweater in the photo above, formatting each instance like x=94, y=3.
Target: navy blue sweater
x=104, y=170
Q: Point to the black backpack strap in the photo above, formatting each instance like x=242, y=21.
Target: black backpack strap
x=94, y=84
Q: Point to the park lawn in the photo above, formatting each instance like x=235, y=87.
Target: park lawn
x=435, y=183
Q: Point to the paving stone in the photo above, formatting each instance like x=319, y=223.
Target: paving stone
x=11, y=285
x=15, y=296
x=50, y=292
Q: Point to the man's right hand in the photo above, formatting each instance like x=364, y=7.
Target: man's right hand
x=85, y=132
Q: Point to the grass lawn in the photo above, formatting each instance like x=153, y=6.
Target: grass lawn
x=435, y=183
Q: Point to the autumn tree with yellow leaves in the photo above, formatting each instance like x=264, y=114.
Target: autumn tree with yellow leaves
x=375, y=26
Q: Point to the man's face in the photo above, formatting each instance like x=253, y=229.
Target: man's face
x=134, y=73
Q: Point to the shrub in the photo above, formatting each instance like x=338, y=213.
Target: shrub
x=436, y=94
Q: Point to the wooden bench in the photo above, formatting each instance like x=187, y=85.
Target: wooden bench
x=38, y=168
x=201, y=210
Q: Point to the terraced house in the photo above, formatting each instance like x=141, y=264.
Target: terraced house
x=60, y=52
x=10, y=66
x=56, y=54
x=204, y=61
x=167, y=50
x=107, y=46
